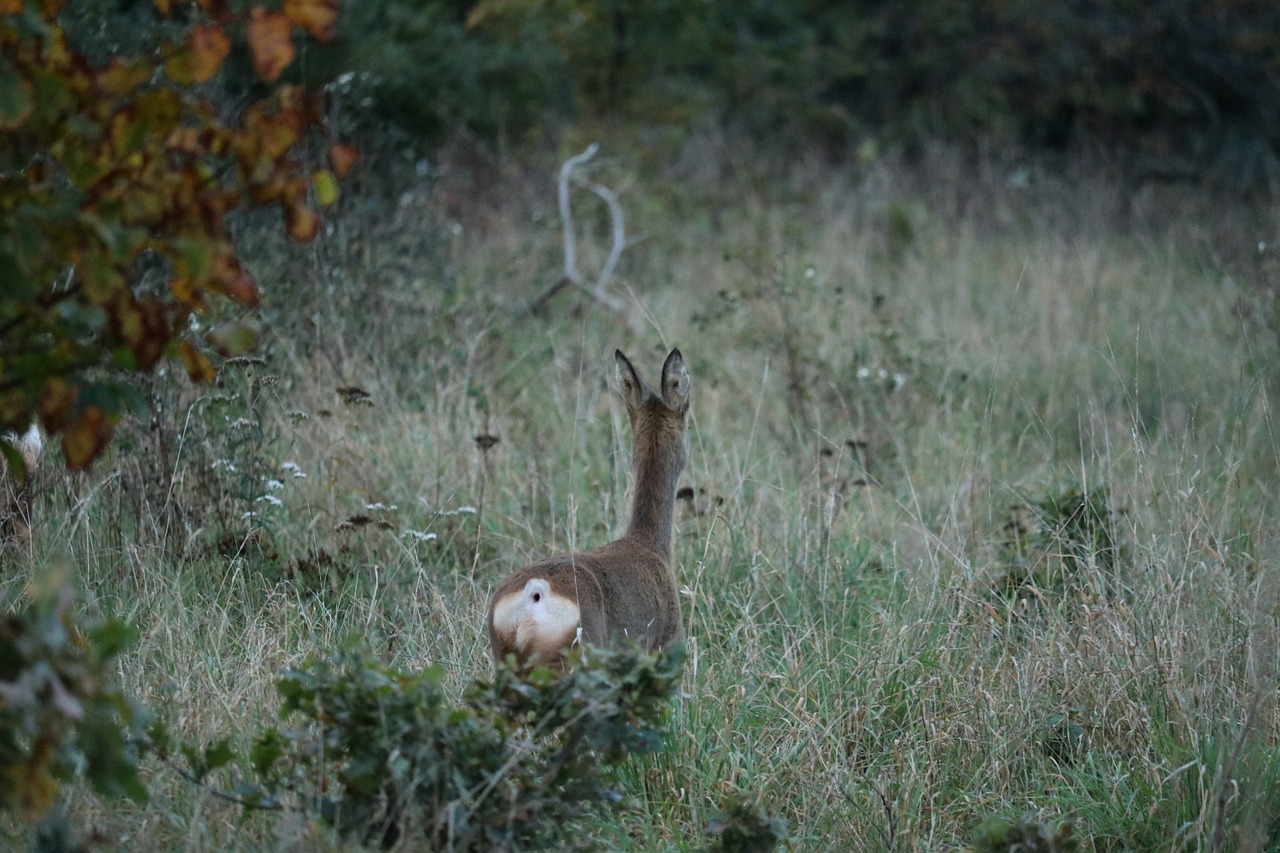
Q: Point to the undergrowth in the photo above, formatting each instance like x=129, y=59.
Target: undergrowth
x=976, y=542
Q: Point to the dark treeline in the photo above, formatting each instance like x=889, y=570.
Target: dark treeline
x=1199, y=79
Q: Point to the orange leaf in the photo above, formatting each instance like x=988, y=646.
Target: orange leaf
x=85, y=439
x=317, y=17
x=271, y=41
x=10, y=7
x=342, y=158
x=278, y=133
x=208, y=45
x=164, y=7
x=242, y=289
x=301, y=222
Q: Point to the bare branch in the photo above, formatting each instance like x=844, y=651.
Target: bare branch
x=566, y=212
x=599, y=289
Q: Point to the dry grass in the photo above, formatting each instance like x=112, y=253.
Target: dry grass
x=888, y=363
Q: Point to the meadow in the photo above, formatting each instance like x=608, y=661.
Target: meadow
x=979, y=523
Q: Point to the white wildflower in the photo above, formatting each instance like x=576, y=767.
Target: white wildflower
x=419, y=536
x=271, y=499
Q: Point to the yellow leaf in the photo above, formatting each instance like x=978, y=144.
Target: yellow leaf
x=326, y=186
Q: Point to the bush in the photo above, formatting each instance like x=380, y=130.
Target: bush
x=380, y=753
x=60, y=714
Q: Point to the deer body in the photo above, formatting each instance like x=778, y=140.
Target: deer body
x=626, y=590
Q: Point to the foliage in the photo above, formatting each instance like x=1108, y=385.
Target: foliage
x=740, y=827
x=60, y=714
x=1060, y=539
x=381, y=753
x=1025, y=835
x=117, y=181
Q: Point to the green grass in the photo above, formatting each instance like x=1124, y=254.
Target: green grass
x=888, y=365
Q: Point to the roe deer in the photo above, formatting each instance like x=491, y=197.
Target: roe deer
x=624, y=591
x=15, y=491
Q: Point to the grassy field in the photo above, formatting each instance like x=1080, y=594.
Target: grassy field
x=982, y=519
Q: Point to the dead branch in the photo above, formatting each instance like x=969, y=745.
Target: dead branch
x=572, y=275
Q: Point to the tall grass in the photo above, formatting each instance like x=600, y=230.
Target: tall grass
x=899, y=372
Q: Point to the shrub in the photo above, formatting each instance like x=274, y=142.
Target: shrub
x=60, y=713
x=381, y=753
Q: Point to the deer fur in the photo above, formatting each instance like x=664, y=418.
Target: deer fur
x=15, y=491
x=625, y=591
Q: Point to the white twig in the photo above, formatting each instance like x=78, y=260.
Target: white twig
x=599, y=289
x=566, y=213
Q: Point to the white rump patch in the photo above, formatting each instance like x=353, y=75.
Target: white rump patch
x=538, y=619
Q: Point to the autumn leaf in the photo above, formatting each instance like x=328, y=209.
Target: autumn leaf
x=85, y=439
x=271, y=42
x=10, y=7
x=326, y=186
x=207, y=47
x=31, y=780
x=122, y=76
x=219, y=9
x=300, y=221
x=278, y=133
x=242, y=289
x=235, y=338
x=317, y=17
x=342, y=158
x=198, y=366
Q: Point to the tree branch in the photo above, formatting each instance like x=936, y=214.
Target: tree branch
x=572, y=275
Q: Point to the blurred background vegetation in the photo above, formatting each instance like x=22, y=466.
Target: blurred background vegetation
x=1179, y=86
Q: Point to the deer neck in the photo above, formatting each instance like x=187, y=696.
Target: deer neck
x=658, y=467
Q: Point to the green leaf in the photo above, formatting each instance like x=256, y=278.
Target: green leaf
x=16, y=100
x=111, y=637
x=267, y=749
x=218, y=755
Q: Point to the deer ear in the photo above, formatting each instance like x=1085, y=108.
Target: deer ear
x=675, y=382
x=628, y=381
